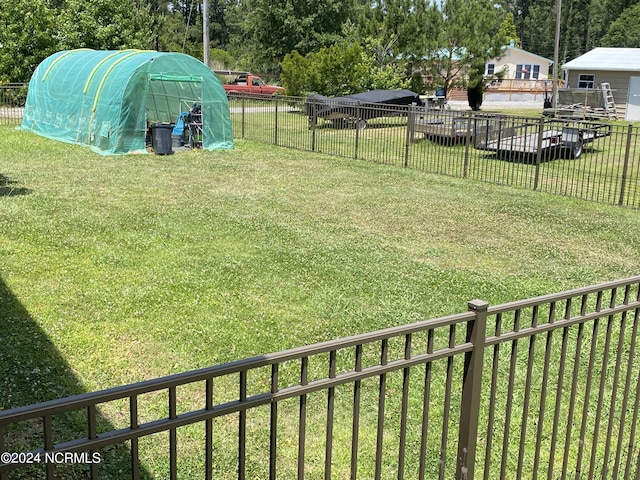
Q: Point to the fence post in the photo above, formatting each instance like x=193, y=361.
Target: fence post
x=3, y=448
x=472, y=383
x=539, y=153
x=623, y=181
x=313, y=120
x=467, y=146
x=243, y=99
x=357, y=142
x=411, y=120
x=275, y=133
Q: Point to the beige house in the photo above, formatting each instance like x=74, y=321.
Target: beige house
x=618, y=67
x=520, y=75
x=518, y=64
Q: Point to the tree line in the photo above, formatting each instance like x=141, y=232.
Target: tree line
x=331, y=47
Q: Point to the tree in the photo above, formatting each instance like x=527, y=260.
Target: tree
x=583, y=25
x=400, y=30
x=519, y=9
x=575, y=32
x=508, y=30
x=340, y=69
x=399, y=34
x=105, y=24
x=297, y=77
x=221, y=59
x=540, y=27
x=180, y=30
x=27, y=36
x=275, y=28
x=625, y=31
x=603, y=13
x=469, y=36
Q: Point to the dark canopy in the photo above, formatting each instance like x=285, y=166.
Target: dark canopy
x=362, y=105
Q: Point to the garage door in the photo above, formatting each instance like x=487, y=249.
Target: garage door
x=633, y=102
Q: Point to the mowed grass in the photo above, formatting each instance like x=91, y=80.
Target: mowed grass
x=133, y=267
x=151, y=265
x=606, y=172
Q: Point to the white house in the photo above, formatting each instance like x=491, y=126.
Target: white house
x=518, y=64
x=521, y=75
x=619, y=67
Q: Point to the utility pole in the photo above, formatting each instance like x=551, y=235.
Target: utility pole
x=554, y=88
x=205, y=31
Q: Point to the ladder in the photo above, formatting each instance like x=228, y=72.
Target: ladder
x=609, y=103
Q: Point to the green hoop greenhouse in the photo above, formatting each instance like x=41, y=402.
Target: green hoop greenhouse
x=108, y=100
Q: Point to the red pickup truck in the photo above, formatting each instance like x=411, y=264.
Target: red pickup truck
x=246, y=83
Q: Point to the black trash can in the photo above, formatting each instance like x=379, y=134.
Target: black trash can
x=161, y=138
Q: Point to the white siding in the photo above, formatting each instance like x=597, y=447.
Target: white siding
x=514, y=57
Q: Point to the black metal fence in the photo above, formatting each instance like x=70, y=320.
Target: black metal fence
x=12, y=100
x=594, y=160
x=546, y=388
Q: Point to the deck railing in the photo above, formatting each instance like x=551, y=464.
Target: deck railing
x=546, y=388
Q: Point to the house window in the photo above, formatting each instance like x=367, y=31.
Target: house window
x=490, y=69
x=527, y=72
x=586, y=80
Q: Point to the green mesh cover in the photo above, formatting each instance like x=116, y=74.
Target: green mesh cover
x=109, y=99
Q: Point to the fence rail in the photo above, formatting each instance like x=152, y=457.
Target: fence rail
x=547, y=387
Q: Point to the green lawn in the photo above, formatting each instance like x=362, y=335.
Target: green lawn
x=119, y=269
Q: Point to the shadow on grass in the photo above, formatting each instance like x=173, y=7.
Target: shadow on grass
x=34, y=371
x=7, y=188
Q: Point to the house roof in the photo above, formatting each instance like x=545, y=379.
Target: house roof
x=529, y=53
x=504, y=57
x=607, y=59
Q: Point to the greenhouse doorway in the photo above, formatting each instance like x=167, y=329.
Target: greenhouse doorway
x=176, y=101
